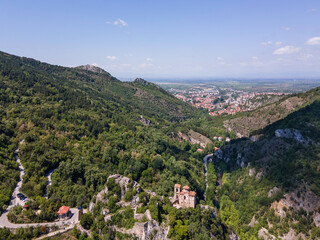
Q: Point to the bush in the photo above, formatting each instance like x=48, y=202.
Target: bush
x=86, y=220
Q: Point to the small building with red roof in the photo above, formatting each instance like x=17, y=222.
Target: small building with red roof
x=64, y=212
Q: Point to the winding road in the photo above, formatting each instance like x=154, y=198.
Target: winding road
x=4, y=222
x=14, y=198
x=48, y=175
x=205, y=163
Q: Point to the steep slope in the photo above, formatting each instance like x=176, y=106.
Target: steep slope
x=272, y=179
x=246, y=123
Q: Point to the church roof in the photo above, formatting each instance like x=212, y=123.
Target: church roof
x=192, y=193
x=177, y=185
x=186, y=187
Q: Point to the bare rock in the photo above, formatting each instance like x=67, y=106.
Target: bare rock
x=316, y=219
x=253, y=221
x=273, y=191
x=263, y=233
x=259, y=175
x=194, y=138
x=256, y=138
x=252, y=172
x=144, y=121
x=148, y=230
x=234, y=236
x=290, y=133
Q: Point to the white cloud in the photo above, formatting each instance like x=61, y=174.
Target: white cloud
x=278, y=43
x=149, y=59
x=313, y=41
x=286, y=28
x=120, y=22
x=145, y=65
x=313, y=10
x=219, y=58
x=286, y=50
x=266, y=43
x=254, y=58
x=111, y=57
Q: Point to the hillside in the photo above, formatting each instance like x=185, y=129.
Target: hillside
x=246, y=123
x=270, y=184
x=84, y=125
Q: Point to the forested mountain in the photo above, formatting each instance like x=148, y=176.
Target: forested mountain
x=270, y=184
x=88, y=125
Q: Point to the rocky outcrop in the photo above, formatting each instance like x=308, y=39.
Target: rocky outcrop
x=194, y=138
x=253, y=222
x=144, y=121
x=141, y=80
x=234, y=236
x=316, y=219
x=302, y=198
x=263, y=233
x=290, y=134
x=273, y=191
x=92, y=68
x=252, y=172
x=148, y=230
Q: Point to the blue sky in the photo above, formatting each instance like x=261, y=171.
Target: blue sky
x=169, y=38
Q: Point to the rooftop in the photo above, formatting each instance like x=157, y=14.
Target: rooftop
x=63, y=210
x=186, y=187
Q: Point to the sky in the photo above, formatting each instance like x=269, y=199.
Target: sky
x=169, y=38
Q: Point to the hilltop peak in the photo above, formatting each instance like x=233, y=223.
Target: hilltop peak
x=141, y=80
x=92, y=68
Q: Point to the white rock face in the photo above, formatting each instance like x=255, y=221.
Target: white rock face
x=290, y=133
x=316, y=219
x=148, y=230
x=273, y=191
x=252, y=172
x=256, y=138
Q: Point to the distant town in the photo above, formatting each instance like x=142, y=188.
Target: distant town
x=225, y=101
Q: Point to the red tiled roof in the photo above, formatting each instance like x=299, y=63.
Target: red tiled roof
x=63, y=210
x=193, y=193
x=177, y=186
x=186, y=187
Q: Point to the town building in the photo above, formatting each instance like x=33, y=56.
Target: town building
x=184, y=198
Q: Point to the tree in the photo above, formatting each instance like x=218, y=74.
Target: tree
x=86, y=220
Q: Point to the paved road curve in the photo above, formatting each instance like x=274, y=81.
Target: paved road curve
x=48, y=175
x=14, y=198
x=205, y=163
x=4, y=222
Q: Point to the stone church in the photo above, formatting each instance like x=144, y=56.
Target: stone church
x=184, y=198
